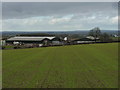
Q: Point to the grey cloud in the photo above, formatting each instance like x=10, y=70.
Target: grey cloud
x=32, y=9
x=58, y=16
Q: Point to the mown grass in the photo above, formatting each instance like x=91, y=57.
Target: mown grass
x=78, y=66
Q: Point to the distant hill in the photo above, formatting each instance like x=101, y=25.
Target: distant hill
x=85, y=32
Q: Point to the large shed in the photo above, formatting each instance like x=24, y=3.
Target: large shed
x=57, y=41
x=41, y=40
x=28, y=39
x=82, y=40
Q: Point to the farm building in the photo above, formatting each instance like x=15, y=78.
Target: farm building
x=82, y=40
x=39, y=41
x=92, y=38
x=58, y=41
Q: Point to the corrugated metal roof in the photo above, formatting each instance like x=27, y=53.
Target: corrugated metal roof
x=23, y=38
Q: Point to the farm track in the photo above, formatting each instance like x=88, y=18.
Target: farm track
x=78, y=66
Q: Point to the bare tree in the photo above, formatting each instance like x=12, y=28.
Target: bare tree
x=95, y=32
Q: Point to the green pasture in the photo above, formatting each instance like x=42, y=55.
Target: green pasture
x=75, y=66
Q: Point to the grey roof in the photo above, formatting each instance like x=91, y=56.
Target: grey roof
x=26, y=38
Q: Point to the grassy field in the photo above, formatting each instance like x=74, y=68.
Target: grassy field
x=77, y=66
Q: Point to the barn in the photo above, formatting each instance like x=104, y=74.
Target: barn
x=35, y=40
x=82, y=41
x=57, y=41
x=25, y=40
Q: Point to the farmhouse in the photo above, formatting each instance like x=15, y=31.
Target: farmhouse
x=39, y=41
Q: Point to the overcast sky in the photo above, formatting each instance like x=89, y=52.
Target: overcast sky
x=51, y=16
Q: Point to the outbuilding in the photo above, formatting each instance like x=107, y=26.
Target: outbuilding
x=82, y=41
x=35, y=41
x=57, y=41
x=24, y=40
